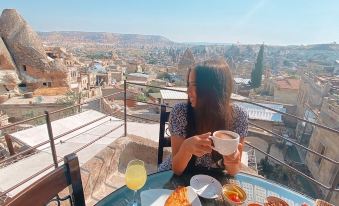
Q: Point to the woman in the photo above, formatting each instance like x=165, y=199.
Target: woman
x=208, y=109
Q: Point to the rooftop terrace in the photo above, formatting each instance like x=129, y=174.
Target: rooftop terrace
x=105, y=140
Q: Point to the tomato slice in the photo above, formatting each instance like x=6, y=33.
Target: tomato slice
x=234, y=197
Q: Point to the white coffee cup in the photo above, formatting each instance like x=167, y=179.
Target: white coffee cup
x=227, y=145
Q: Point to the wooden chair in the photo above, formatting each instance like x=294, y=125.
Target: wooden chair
x=163, y=141
x=46, y=189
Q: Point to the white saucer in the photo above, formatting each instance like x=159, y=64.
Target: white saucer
x=206, y=186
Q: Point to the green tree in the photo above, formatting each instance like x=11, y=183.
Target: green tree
x=164, y=75
x=256, y=75
x=141, y=97
x=69, y=99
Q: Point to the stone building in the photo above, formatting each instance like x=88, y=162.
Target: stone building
x=186, y=61
x=310, y=98
x=138, y=77
x=34, y=68
x=3, y=119
x=326, y=143
x=104, y=79
x=117, y=76
x=60, y=53
x=318, y=102
x=132, y=66
x=170, y=98
x=286, y=90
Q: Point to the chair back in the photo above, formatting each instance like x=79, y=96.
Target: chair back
x=46, y=189
x=164, y=141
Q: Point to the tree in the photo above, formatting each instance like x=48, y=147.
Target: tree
x=69, y=99
x=141, y=97
x=256, y=75
x=164, y=75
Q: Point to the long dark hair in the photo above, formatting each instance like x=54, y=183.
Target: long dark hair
x=213, y=110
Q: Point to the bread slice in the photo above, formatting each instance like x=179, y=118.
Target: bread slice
x=179, y=197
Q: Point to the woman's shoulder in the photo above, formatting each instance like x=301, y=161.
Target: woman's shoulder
x=239, y=112
x=240, y=120
x=177, y=120
x=180, y=107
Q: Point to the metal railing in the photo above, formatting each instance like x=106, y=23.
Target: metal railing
x=330, y=188
x=52, y=139
x=126, y=116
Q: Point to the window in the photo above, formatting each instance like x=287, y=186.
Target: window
x=321, y=150
x=24, y=67
x=47, y=84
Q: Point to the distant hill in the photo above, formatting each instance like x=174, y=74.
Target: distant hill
x=119, y=40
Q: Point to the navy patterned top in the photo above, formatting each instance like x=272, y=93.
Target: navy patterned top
x=177, y=127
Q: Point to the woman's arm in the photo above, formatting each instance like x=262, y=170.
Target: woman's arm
x=233, y=162
x=180, y=156
x=183, y=149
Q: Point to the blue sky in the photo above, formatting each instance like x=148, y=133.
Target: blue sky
x=278, y=22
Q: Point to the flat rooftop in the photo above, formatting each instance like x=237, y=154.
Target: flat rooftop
x=35, y=100
x=18, y=171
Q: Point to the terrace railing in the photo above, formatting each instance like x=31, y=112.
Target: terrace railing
x=333, y=187
x=14, y=157
x=126, y=117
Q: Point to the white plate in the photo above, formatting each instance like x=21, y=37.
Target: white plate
x=206, y=186
x=154, y=197
x=158, y=197
x=193, y=197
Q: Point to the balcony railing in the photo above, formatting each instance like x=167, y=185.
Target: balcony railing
x=330, y=188
x=77, y=108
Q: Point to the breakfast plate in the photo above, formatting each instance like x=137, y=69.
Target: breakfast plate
x=158, y=197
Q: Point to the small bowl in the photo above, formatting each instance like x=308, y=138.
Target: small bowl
x=237, y=189
x=276, y=201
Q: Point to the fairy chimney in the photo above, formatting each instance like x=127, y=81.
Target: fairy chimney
x=34, y=68
x=186, y=61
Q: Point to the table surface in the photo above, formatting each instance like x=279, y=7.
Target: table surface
x=257, y=189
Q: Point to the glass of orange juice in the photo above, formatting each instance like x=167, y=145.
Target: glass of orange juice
x=135, y=177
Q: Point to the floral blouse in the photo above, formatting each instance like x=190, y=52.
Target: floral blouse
x=177, y=127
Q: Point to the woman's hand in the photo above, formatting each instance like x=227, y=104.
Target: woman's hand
x=232, y=162
x=198, y=145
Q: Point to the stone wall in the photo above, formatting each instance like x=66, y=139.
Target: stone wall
x=104, y=173
x=325, y=142
x=20, y=112
x=285, y=96
x=323, y=170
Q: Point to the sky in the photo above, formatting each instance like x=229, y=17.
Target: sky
x=274, y=22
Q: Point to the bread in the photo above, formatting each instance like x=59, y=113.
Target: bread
x=275, y=201
x=179, y=197
x=319, y=202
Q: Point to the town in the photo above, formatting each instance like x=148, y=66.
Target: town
x=86, y=73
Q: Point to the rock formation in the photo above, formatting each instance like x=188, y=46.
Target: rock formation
x=8, y=75
x=186, y=61
x=34, y=68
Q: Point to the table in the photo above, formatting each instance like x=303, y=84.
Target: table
x=257, y=189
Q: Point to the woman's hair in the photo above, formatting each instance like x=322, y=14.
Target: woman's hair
x=214, y=86
x=213, y=111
